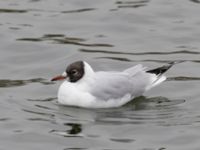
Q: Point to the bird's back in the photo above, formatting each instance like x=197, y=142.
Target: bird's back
x=115, y=85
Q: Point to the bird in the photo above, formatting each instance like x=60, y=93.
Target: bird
x=83, y=87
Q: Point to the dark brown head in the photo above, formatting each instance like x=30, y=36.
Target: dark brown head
x=73, y=73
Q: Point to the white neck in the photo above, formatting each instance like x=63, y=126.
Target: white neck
x=88, y=71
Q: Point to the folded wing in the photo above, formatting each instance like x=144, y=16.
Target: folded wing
x=115, y=85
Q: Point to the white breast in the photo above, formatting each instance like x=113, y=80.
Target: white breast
x=75, y=95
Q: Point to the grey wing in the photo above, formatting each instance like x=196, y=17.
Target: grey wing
x=144, y=80
x=111, y=85
x=135, y=69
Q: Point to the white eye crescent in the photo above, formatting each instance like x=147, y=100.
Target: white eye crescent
x=64, y=74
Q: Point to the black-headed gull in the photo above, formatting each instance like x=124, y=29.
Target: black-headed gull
x=85, y=88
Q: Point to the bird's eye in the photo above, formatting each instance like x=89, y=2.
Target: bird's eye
x=74, y=71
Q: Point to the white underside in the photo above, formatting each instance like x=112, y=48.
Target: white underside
x=69, y=94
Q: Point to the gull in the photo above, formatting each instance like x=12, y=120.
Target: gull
x=83, y=87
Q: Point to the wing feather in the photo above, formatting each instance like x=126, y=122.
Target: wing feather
x=115, y=85
x=111, y=85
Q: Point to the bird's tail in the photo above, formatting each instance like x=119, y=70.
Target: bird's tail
x=158, y=72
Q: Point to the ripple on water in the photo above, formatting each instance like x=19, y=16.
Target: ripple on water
x=62, y=39
x=139, y=53
x=131, y=3
x=142, y=110
x=13, y=10
x=78, y=10
x=195, y=1
x=7, y=83
x=122, y=140
x=125, y=56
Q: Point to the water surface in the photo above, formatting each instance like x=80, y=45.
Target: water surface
x=40, y=37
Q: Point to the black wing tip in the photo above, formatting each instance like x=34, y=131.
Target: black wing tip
x=160, y=70
x=164, y=68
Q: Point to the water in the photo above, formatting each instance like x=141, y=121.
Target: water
x=40, y=37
